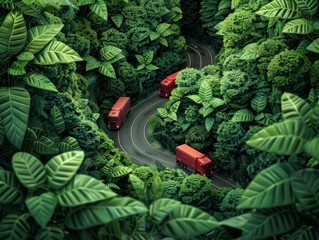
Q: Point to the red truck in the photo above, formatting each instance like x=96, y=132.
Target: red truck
x=189, y=157
x=167, y=85
x=119, y=113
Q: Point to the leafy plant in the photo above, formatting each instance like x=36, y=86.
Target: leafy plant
x=163, y=30
x=145, y=61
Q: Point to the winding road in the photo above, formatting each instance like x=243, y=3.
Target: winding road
x=132, y=136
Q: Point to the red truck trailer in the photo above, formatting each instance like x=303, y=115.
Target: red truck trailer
x=119, y=113
x=190, y=157
x=167, y=85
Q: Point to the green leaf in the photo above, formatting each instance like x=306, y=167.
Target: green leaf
x=148, y=57
x=302, y=47
x=40, y=36
x=154, y=36
x=237, y=222
x=209, y=123
x=175, y=106
x=216, y=102
x=57, y=119
x=280, y=9
x=156, y=191
x=112, y=210
x=270, y=222
x=161, y=28
x=205, y=92
x=162, y=112
x=120, y=171
x=56, y=52
x=163, y=41
x=50, y=233
x=15, y=226
x=16, y=69
x=234, y=3
x=92, y=63
x=160, y=208
x=69, y=144
x=294, y=107
x=140, y=67
x=107, y=69
x=308, y=7
x=29, y=139
x=14, y=113
x=259, y=102
x=311, y=147
x=243, y=115
x=13, y=35
x=306, y=232
x=250, y=52
x=172, y=116
x=186, y=221
x=109, y=53
x=298, y=26
x=40, y=81
x=151, y=67
x=25, y=56
x=42, y=207
x=29, y=170
x=83, y=189
x=100, y=8
x=117, y=19
x=287, y=138
x=2, y=133
x=61, y=168
x=196, y=98
x=85, y=2
x=139, y=187
x=305, y=186
x=140, y=58
x=10, y=189
x=270, y=188
x=314, y=46
x=45, y=145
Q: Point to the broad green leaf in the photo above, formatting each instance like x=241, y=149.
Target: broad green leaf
x=151, y=67
x=224, y=4
x=13, y=35
x=196, y=98
x=69, y=144
x=148, y=57
x=85, y=2
x=280, y=9
x=209, y=122
x=234, y=3
x=160, y=208
x=243, y=115
x=99, y=7
x=120, y=171
x=287, y=137
x=298, y=26
x=45, y=145
x=14, y=113
x=40, y=36
x=140, y=58
x=140, y=67
x=29, y=170
x=162, y=112
x=83, y=189
x=92, y=64
x=10, y=189
x=163, y=41
x=237, y=222
x=270, y=222
x=250, y=52
x=139, y=187
x=161, y=28
x=107, y=69
x=186, y=221
x=117, y=19
x=206, y=111
x=112, y=210
x=61, y=168
x=42, y=207
x=175, y=106
x=305, y=184
x=314, y=46
x=108, y=53
x=16, y=69
x=172, y=116
x=50, y=233
x=302, y=47
x=15, y=226
x=259, y=102
x=216, y=102
x=294, y=107
x=40, y=81
x=308, y=7
x=306, y=232
x=154, y=36
x=29, y=139
x=2, y=133
x=311, y=148
x=68, y=3
x=205, y=92
x=57, y=119
x=270, y=188
x=56, y=52
x=156, y=191
x=25, y=56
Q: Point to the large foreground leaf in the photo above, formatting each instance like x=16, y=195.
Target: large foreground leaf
x=50, y=233
x=280, y=9
x=186, y=221
x=314, y=46
x=40, y=81
x=15, y=226
x=309, y=233
x=111, y=210
x=99, y=7
x=160, y=208
x=56, y=52
x=61, y=168
x=29, y=170
x=298, y=26
x=14, y=113
x=10, y=189
x=45, y=145
x=308, y=7
x=57, y=119
x=287, y=137
x=84, y=189
x=270, y=188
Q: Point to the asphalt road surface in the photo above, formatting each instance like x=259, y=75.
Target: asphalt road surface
x=131, y=138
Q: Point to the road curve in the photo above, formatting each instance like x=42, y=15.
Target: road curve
x=132, y=136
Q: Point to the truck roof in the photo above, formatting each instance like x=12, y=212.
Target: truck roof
x=120, y=103
x=173, y=75
x=191, y=151
x=166, y=82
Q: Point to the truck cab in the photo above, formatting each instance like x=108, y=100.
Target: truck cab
x=119, y=113
x=204, y=166
x=114, y=119
x=167, y=85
